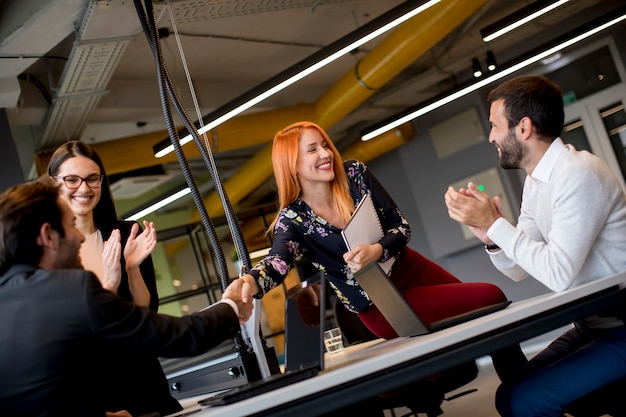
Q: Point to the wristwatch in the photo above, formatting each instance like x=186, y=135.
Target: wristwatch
x=492, y=247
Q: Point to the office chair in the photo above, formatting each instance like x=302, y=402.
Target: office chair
x=421, y=397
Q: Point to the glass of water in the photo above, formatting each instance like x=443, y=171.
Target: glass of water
x=333, y=341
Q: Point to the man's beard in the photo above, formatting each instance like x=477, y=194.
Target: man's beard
x=69, y=259
x=511, y=152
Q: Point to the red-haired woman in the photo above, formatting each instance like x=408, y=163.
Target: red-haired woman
x=317, y=194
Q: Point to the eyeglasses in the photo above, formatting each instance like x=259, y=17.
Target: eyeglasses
x=74, y=181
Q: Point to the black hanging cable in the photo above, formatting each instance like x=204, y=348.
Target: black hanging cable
x=165, y=85
x=231, y=217
x=150, y=29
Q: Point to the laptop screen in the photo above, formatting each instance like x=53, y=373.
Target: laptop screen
x=304, y=343
x=389, y=301
x=392, y=305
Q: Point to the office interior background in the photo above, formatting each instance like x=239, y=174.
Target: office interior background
x=83, y=69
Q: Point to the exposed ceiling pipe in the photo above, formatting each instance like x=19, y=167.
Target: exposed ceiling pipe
x=390, y=57
x=20, y=38
x=242, y=132
x=401, y=48
x=94, y=57
x=384, y=62
x=254, y=231
x=259, y=167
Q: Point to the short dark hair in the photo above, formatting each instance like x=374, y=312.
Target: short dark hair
x=535, y=97
x=24, y=208
x=104, y=214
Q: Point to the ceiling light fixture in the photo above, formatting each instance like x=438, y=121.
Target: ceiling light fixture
x=291, y=75
x=491, y=61
x=572, y=38
x=476, y=68
x=519, y=18
x=158, y=204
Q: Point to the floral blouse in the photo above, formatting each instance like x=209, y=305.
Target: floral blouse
x=300, y=232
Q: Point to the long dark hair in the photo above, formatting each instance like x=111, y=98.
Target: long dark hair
x=104, y=214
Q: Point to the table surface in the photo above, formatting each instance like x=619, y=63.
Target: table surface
x=364, y=370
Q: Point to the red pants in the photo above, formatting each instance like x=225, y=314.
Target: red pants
x=432, y=291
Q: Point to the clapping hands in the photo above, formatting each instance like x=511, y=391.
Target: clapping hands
x=111, y=262
x=474, y=208
x=138, y=248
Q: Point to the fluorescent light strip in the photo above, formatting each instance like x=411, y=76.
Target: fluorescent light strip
x=488, y=80
x=159, y=204
x=523, y=21
x=295, y=78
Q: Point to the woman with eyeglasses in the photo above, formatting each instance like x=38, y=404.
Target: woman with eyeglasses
x=85, y=188
x=119, y=256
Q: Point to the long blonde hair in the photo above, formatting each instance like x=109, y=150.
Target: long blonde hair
x=284, y=160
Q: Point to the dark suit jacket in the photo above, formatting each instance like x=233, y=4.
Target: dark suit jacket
x=52, y=321
x=133, y=380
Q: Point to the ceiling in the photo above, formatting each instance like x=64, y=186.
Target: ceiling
x=77, y=69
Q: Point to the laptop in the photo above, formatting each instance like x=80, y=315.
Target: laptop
x=392, y=305
x=304, y=345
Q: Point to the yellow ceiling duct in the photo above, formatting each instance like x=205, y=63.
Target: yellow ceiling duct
x=259, y=168
x=254, y=231
x=242, y=132
x=390, y=57
x=366, y=151
x=403, y=46
x=384, y=62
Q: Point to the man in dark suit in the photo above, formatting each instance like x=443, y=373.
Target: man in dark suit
x=55, y=314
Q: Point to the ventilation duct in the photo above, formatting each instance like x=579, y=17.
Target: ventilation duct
x=96, y=54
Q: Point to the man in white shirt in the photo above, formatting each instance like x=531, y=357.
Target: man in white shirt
x=571, y=230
